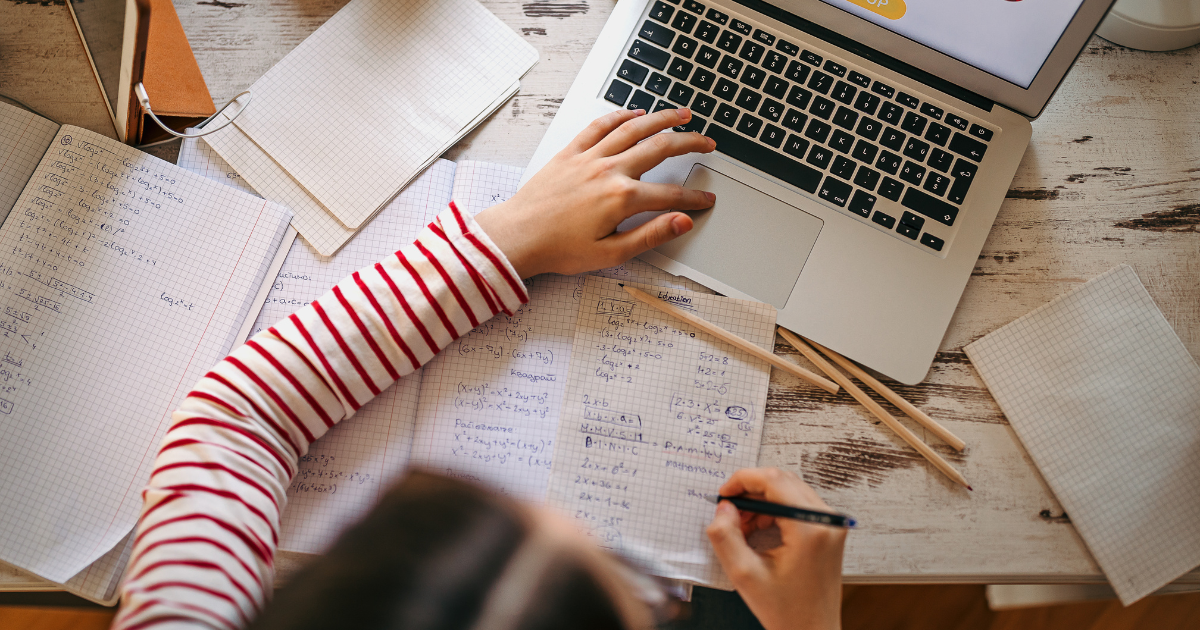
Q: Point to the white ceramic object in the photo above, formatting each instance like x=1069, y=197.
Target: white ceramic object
x=1153, y=24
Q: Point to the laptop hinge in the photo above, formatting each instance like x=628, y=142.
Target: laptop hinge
x=866, y=52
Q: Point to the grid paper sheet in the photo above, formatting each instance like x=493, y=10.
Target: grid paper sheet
x=657, y=414
x=360, y=107
x=24, y=137
x=116, y=300
x=1106, y=400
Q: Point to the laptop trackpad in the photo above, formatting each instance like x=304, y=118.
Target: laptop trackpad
x=749, y=240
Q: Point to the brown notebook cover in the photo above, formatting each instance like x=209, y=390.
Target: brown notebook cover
x=172, y=78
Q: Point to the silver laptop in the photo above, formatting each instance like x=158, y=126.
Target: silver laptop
x=863, y=147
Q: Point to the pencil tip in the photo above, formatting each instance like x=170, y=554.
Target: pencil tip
x=970, y=488
x=621, y=284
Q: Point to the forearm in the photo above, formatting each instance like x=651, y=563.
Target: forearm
x=207, y=537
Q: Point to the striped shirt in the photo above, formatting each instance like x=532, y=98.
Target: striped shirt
x=205, y=545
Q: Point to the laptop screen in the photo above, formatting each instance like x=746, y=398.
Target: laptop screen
x=1010, y=39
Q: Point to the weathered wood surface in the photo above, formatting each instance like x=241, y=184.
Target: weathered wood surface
x=1112, y=176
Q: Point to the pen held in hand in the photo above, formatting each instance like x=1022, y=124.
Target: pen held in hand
x=786, y=511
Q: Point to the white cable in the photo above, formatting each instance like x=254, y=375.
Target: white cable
x=144, y=100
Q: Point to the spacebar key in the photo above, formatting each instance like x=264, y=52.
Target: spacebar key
x=764, y=159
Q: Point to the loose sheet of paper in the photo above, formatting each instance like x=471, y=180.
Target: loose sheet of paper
x=24, y=137
x=656, y=414
x=123, y=279
x=1106, y=400
x=356, y=110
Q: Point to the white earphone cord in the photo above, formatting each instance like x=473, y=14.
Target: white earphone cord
x=144, y=99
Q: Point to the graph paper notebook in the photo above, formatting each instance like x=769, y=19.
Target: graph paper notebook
x=372, y=97
x=1106, y=400
x=123, y=278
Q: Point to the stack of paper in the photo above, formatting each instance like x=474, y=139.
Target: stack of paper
x=360, y=108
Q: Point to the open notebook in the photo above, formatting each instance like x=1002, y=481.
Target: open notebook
x=123, y=278
x=488, y=407
x=348, y=118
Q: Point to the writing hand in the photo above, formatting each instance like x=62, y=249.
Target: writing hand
x=564, y=219
x=797, y=585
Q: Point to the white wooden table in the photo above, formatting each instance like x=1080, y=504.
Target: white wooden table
x=1112, y=176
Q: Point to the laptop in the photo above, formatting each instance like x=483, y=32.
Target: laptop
x=863, y=147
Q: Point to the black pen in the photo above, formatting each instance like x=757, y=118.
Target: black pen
x=786, y=511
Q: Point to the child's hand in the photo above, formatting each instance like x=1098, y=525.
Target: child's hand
x=797, y=585
x=564, y=219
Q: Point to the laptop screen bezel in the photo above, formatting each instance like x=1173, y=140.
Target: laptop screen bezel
x=1027, y=101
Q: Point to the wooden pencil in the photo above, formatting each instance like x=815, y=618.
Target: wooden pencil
x=875, y=408
x=732, y=339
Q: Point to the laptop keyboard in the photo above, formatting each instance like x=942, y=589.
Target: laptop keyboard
x=814, y=122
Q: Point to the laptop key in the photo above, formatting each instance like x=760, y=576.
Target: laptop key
x=864, y=152
x=797, y=72
x=708, y=57
x=632, y=72
x=868, y=128
x=841, y=141
x=730, y=67
x=916, y=150
x=649, y=55
x=681, y=94
x=932, y=111
x=958, y=191
x=931, y=241
x=684, y=22
x=750, y=125
x=776, y=87
x=695, y=124
x=618, y=92
x=931, y=207
x=937, y=134
x=707, y=32
x=799, y=97
x=940, y=160
x=912, y=220
x=726, y=115
x=891, y=188
x=771, y=110
x=937, y=184
x=796, y=146
x=775, y=62
x=819, y=156
x=820, y=82
x=821, y=108
x=795, y=120
x=661, y=105
x=684, y=47
x=752, y=51
x=694, y=7
x=741, y=27
x=658, y=84
x=862, y=203
x=866, y=103
x=773, y=136
x=753, y=76
x=662, y=12
x=656, y=33
x=964, y=170
x=764, y=36
x=883, y=90
x=811, y=58
x=886, y=220
x=817, y=131
x=641, y=100
x=860, y=79
x=717, y=16
x=748, y=99
x=907, y=100
x=760, y=157
x=835, y=192
x=907, y=231
x=914, y=123
x=912, y=173
x=725, y=89
x=892, y=139
x=866, y=178
x=844, y=92
x=835, y=68
x=981, y=133
x=729, y=42
x=888, y=162
x=891, y=113
x=956, y=121
x=704, y=104
x=680, y=69
x=968, y=147
x=788, y=47
x=843, y=167
x=845, y=117
x=703, y=79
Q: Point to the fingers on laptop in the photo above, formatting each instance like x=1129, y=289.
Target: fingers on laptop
x=650, y=196
x=599, y=128
x=653, y=150
x=621, y=246
x=639, y=128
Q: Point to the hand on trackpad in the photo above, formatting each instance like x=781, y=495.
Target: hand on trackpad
x=748, y=239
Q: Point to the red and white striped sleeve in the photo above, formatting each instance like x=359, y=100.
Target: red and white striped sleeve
x=205, y=544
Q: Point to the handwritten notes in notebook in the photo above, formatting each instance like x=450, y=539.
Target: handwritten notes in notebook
x=657, y=414
x=123, y=279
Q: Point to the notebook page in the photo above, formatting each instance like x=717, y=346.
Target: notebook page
x=346, y=470
x=1106, y=400
x=378, y=91
x=657, y=414
x=24, y=137
x=121, y=283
